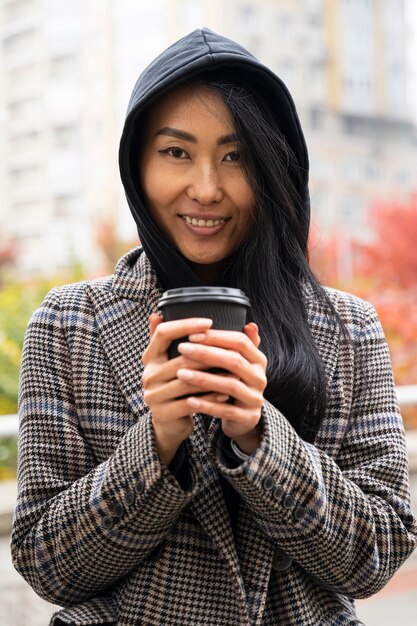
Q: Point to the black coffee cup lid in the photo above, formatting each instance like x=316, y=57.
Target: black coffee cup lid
x=206, y=293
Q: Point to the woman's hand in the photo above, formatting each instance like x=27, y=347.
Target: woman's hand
x=239, y=354
x=171, y=416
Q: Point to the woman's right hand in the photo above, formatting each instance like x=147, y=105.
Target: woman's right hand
x=171, y=417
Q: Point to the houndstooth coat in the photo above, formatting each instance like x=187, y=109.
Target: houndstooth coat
x=104, y=529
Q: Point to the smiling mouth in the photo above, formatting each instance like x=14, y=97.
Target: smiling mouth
x=192, y=221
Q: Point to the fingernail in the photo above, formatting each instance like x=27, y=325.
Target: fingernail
x=197, y=337
x=203, y=322
x=185, y=348
x=194, y=402
x=185, y=374
x=222, y=398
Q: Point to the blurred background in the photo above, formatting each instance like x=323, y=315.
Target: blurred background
x=66, y=73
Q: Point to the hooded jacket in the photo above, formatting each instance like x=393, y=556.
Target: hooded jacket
x=202, y=51
x=105, y=530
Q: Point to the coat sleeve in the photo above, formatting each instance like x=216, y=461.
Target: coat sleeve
x=347, y=521
x=79, y=526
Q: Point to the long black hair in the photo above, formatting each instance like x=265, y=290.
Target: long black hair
x=272, y=265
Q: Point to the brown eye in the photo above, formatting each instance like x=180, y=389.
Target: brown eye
x=176, y=153
x=233, y=156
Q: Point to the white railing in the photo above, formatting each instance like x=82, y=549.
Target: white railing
x=9, y=424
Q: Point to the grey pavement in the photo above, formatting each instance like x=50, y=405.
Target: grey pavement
x=20, y=606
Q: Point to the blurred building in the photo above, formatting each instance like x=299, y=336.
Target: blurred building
x=67, y=70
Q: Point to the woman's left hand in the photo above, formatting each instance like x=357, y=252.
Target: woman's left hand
x=238, y=353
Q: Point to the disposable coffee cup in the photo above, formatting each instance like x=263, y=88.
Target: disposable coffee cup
x=226, y=306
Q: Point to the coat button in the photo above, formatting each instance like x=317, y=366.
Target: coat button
x=299, y=513
x=139, y=486
x=129, y=498
x=107, y=522
x=281, y=561
x=268, y=483
x=289, y=502
x=118, y=509
x=278, y=492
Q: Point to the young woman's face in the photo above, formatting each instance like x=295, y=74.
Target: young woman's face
x=193, y=179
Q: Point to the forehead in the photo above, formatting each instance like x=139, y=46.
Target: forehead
x=189, y=106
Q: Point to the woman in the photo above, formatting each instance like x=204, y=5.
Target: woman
x=154, y=492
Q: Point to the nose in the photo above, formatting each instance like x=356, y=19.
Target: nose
x=205, y=185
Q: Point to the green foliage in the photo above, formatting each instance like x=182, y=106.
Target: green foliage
x=8, y=458
x=18, y=301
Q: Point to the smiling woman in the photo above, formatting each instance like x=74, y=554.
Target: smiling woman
x=145, y=495
x=193, y=179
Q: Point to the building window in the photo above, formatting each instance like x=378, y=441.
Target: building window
x=248, y=17
x=21, y=76
x=23, y=108
x=64, y=67
x=24, y=142
x=65, y=205
x=24, y=175
x=18, y=8
x=19, y=42
x=65, y=136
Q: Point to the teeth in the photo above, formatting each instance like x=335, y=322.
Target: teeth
x=202, y=223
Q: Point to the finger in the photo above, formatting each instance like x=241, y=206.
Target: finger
x=251, y=330
x=170, y=391
x=154, y=320
x=252, y=374
x=172, y=410
x=156, y=374
x=227, y=385
x=239, y=420
x=232, y=340
x=166, y=332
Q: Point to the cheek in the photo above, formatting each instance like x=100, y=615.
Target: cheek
x=153, y=183
x=247, y=207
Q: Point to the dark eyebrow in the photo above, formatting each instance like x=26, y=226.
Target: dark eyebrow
x=232, y=138
x=182, y=134
x=175, y=132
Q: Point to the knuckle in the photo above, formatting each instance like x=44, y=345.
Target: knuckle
x=145, y=356
x=228, y=413
x=147, y=395
x=237, y=361
x=263, y=381
x=145, y=379
x=159, y=332
x=260, y=403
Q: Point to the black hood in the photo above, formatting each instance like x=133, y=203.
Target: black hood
x=198, y=53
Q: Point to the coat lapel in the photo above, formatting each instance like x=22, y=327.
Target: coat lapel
x=121, y=315
x=339, y=374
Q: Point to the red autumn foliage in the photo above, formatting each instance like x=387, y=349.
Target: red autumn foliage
x=110, y=244
x=392, y=257
x=383, y=272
